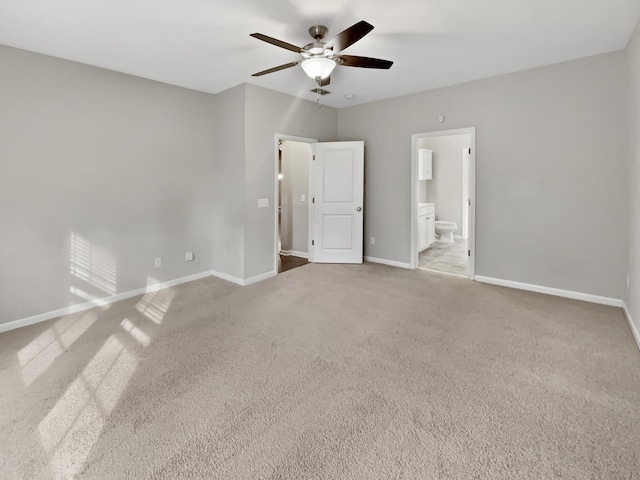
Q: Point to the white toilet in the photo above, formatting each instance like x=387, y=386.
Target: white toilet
x=445, y=231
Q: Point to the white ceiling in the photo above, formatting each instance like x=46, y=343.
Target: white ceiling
x=205, y=44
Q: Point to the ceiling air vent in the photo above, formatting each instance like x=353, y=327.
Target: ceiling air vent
x=319, y=91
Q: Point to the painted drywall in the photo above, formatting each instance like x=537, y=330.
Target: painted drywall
x=100, y=173
x=228, y=205
x=445, y=188
x=267, y=113
x=551, y=171
x=633, y=62
x=294, y=213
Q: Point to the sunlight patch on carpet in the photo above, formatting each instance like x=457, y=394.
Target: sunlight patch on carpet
x=40, y=353
x=72, y=427
x=155, y=304
x=135, y=332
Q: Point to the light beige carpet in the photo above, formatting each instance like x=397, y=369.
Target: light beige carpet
x=325, y=372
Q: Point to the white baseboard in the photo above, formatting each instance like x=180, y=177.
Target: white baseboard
x=294, y=253
x=42, y=317
x=259, y=278
x=228, y=278
x=632, y=325
x=100, y=302
x=384, y=261
x=587, y=297
x=243, y=282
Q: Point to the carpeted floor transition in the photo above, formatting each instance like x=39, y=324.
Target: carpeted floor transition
x=325, y=372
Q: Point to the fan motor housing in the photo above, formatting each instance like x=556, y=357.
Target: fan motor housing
x=318, y=31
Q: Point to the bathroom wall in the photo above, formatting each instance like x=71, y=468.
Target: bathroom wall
x=445, y=189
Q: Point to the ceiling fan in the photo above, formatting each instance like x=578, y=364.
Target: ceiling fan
x=320, y=58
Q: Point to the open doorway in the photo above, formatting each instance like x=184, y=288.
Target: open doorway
x=443, y=201
x=293, y=169
x=319, y=192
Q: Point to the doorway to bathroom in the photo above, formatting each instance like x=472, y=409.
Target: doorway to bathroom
x=443, y=201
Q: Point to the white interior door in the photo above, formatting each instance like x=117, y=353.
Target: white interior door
x=338, y=191
x=465, y=193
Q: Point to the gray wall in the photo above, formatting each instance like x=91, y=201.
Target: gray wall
x=551, y=171
x=227, y=187
x=268, y=113
x=633, y=58
x=119, y=170
x=445, y=189
x=296, y=161
x=100, y=173
x=104, y=172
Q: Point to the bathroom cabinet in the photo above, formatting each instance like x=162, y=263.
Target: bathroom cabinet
x=426, y=225
x=425, y=164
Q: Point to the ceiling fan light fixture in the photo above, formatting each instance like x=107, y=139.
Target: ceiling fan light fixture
x=318, y=67
x=319, y=58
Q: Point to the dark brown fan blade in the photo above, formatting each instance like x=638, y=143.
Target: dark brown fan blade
x=323, y=82
x=275, y=69
x=363, y=62
x=276, y=42
x=350, y=36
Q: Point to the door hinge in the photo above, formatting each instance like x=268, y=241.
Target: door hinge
x=469, y=151
x=314, y=156
x=313, y=200
x=313, y=242
x=468, y=253
x=469, y=201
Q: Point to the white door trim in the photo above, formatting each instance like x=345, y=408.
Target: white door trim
x=276, y=183
x=472, y=193
x=465, y=195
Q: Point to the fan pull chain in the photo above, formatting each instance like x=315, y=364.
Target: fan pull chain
x=318, y=92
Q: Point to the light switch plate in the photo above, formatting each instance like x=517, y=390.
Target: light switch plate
x=263, y=202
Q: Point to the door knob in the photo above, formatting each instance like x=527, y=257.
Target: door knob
x=359, y=209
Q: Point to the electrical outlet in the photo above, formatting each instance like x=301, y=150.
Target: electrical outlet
x=303, y=197
x=372, y=240
x=158, y=262
x=188, y=257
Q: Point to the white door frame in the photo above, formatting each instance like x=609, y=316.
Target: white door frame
x=472, y=194
x=466, y=155
x=282, y=137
